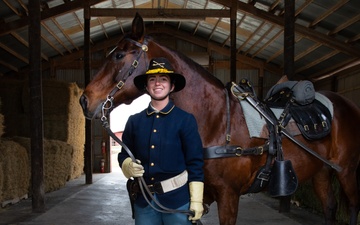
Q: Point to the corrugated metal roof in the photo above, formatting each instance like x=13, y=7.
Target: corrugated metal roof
x=327, y=32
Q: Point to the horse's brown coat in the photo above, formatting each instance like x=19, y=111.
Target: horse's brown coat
x=204, y=96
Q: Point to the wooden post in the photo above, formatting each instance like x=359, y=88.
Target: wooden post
x=289, y=51
x=233, y=53
x=87, y=66
x=36, y=109
x=289, y=38
x=261, y=83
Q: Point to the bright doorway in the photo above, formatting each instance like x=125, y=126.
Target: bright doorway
x=118, y=119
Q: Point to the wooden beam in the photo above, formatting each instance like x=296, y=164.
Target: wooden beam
x=225, y=64
x=26, y=43
x=336, y=69
x=14, y=53
x=319, y=60
x=9, y=66
x=344, y=25
x=161, y=14
x=328, y=12
x=306, y=32
x=58, y=61
x=214, y=47
x=67, y=7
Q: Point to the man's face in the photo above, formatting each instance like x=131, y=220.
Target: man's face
x=159, y=86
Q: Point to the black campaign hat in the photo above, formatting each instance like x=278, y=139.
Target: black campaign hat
x=160, y=66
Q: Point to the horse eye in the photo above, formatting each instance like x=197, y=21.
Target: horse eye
x=119, y=55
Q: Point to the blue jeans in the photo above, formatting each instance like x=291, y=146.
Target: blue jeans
x=149, y=216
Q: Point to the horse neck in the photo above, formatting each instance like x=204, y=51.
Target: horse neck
x=203, y=95
x=202, y=89
x=195, y=74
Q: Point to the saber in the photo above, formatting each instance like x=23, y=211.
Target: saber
x=255, y=104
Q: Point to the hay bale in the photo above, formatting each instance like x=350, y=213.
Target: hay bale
x=76, y=130
x=57, y=155
x=14, y=170
x=62, y=116
x=64, y=119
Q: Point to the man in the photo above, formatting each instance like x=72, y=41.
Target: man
x=168, y=148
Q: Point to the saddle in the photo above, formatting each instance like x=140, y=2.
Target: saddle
x=298, y=101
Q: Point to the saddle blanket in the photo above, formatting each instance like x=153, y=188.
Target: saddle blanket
x=257, y=125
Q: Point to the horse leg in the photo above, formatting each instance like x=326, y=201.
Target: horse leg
x=348, y=181
x=324, y=191
x=228, y=204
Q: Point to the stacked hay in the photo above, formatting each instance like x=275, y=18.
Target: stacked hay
x=14, y=171
x=76, y=130
x=63, y=118
x=64, y=132
x=57, y=155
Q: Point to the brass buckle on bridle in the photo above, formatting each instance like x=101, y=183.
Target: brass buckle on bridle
x=261, y=148
x=120, y=84
x=240, y=150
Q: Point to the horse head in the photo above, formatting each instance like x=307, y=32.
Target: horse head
x=113, y=83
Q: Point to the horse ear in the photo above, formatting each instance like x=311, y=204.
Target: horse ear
x=138, y=27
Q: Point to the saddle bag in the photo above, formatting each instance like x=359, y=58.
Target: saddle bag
x=313, y=120
x=302, y=92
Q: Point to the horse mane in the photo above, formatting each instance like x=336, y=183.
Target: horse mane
x=187, y=60
x=197, y=67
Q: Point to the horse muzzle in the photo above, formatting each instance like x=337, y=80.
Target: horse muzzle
x=87, y=113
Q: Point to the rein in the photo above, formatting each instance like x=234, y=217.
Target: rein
x=142, y=184
x=107, y=105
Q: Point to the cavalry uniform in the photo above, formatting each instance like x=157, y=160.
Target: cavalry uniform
x=169, y=147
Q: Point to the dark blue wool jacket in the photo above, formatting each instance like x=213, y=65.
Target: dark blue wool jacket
x=166, y=143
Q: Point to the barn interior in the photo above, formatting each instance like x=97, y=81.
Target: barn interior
x=57, y=46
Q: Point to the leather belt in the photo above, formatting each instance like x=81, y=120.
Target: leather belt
x=169, y=184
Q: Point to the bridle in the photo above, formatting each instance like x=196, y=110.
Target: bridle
x=107, y=106
x=108, y=103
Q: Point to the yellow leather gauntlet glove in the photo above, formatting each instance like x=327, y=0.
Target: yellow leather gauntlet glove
x=132, y=169
x=196, y=199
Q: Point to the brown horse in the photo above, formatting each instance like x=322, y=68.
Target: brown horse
x=204, y=96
